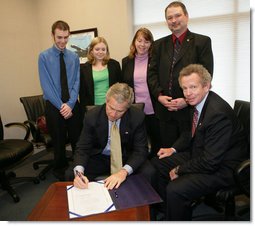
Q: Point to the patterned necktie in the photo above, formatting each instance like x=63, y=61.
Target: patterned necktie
x=63, y=79
x=194, y=121
x=116, y=155
x=177, y=48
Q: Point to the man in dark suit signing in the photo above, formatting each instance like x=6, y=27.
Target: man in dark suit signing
x=202, y=160
x=93, y=153
x=169, y=55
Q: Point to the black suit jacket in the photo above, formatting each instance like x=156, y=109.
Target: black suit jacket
x=195, y=49
x=94, y=136
x=218, y=145
x=86, y=94
x=127, y=72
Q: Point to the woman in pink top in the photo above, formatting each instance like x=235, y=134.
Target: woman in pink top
x=134, y=73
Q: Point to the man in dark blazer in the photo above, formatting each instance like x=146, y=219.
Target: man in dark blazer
x=201, y=163
x=93, y=152
x=169, y=103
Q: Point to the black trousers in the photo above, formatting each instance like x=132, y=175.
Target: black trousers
x=61, y=131
x=172, y=125
x=179, y=194
x=153, y=132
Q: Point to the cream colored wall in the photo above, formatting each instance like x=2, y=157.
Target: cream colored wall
x=25, y=32
x=111, y=17
x=18, y=63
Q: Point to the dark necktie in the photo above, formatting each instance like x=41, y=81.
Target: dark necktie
x=116, y=154
x=177, y=48
x=194, y=121
x=63, y=79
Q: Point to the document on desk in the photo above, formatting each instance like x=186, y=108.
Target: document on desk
x=84, y=202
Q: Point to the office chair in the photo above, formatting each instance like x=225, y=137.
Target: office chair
x=241, y=174
x=35, y=107
x=12, y=152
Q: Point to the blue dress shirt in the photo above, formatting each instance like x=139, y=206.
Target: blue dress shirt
x=49, y=73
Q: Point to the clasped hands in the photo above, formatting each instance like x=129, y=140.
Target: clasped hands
x=111, y=182
x=172, y=104
x=66, y=111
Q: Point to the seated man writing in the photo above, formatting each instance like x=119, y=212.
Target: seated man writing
x=96, y=152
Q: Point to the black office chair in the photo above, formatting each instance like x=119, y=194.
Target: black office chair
x=35, y=107
x=227, y=196
x=12, y=152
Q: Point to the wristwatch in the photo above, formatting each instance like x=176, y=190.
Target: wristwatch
x=176, y=170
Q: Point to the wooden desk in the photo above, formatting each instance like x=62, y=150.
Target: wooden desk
x=53, y=206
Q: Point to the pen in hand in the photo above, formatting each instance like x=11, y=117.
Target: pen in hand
x=80, y=176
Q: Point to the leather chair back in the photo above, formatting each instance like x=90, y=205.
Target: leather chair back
x=242, y=110
x=242, y=174
x=34, y=106
x=1, y=129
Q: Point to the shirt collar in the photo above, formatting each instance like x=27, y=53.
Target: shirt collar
x=110, y=123
x=200, y=106
x=57, y=51
x=181, y=38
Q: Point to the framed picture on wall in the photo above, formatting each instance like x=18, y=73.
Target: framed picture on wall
x=79, y=42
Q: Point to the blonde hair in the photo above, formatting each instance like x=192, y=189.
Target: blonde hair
x=95, y=41
x=204, y=75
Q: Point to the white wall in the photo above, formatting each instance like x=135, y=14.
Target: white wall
x=26, y=31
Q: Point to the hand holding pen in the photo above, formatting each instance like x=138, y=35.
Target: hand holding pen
x=80, y=181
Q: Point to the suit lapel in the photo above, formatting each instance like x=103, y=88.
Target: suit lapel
x=102, y=125
x=124, y=126
x=169, y=47
x=185, y=45
x=202, y=115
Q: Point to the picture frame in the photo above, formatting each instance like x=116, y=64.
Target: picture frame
x=79, y=42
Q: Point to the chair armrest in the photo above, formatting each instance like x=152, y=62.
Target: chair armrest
x=23, y=125
x=31, y=123
x=35, y=131
x=242, y=176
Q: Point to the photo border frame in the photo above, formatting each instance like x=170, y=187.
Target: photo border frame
x=79, y=42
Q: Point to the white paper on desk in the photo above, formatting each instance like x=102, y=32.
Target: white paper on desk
x=83, y=202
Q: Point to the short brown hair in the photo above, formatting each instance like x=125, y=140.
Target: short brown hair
x=147, y=35
x=61, y=25
x=177, y=4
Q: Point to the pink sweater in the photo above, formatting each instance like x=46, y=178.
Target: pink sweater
x=140, y=83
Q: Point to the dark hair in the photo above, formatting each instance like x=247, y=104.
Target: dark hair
x=61, y=25
x=146, y=33
x=177, y=4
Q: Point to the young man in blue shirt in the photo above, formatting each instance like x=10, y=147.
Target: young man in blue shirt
x=62, y=110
